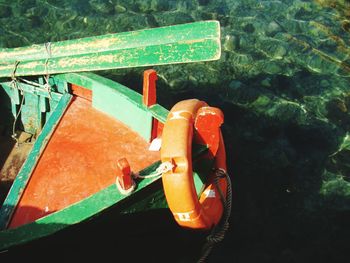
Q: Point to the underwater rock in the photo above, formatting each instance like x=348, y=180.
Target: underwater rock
x=272, y=48
x=235, y=84
x=130, y=21
x=319, y=64
x=144, y=6
x=162, y=5
x=266, y=82
x=272, y=29
x=5, y=11
x=338, y=111
x=287, y=112
x=172, y=18
x=273, y=8
x=119, y=9
x=272, y=68
x=249, y=28
x=104, y=7
x=230, y=43
x=203, y=2
x=21, y=7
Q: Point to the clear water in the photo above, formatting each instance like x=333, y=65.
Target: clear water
x=283, y=84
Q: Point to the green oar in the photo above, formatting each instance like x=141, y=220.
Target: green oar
x=199, y=41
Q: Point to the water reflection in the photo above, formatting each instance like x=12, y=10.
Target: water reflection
x=283, y=83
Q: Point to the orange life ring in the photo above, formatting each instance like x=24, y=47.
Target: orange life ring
x=178, y=132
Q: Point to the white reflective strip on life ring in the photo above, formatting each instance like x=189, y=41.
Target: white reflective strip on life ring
x=184, y=217
x=176, y=115
x=209, y=193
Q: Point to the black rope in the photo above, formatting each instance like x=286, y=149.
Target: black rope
x=218, y=232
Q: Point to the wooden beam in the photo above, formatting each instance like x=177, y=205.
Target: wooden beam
x=192, y=42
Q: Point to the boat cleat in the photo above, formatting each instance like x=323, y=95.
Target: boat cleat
x=124, y=180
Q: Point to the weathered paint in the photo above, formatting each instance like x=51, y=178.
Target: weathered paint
x=145, y=197
x=31, y=89
x=23, y=176
x=71, y=215
x=177, y=44
x=81, y=92
x=149, y=93
x=148, y=195
x=79, y=160
x=37, y=103
x=190, y=32
x=113, y=99
x=89, y=80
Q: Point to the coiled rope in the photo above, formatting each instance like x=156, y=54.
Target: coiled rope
x=218, y=232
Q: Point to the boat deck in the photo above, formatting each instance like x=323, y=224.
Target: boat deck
x=79, y=160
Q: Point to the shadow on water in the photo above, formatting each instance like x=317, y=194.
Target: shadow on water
x=286, y=106
x=278, y=158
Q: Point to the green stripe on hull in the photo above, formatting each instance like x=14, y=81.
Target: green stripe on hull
x=23, y=176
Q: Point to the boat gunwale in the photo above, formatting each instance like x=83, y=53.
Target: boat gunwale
x=27, y=232
x=96, y=203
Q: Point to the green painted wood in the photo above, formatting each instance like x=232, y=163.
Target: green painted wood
x=14, y=95
x=112, y=102
x=148, y=195
x=199, y=41
x=89, y=80
x=116, y=100
x=83, y=79
x=71, y=215
x=30, y=118
x=23, y=176
x=31, y=89
x=159, y=112
x=118, y=41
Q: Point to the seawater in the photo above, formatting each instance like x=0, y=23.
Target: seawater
x=283, y=84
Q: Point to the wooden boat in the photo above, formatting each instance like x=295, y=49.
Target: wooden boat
x=96, y=145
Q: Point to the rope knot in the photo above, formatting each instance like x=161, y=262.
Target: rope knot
x=162, y=168
x=165, y=167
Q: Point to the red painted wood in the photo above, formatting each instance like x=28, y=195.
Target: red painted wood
x=149, y=87
x=207, y=123
x=149, y=97
x=124, y=174
x=79, y=160
x=81, y=92
x=155, y=125
x=160, y=129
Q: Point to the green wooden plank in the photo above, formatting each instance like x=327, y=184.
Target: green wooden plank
x=159, y=112
x=125, y=40
x=110, y=101
x=176, y=48
x=83, y=79
x=89, y=80
x=30, y=110
x=29, y=88
x=202, y=50
x=23, y=176
x=113, y=99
